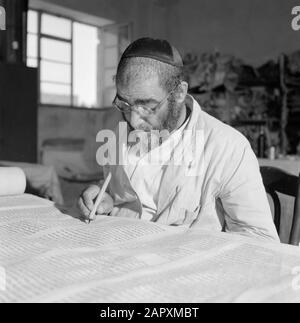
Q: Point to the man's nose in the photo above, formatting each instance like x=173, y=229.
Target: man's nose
x=135, y=118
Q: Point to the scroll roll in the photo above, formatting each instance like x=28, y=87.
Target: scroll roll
x=12, y=181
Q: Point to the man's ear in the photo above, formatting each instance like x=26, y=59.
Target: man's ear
x=181, y=92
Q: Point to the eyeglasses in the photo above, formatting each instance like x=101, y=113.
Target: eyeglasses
x=125, y=107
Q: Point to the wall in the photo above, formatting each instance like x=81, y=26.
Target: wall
x=255, y=30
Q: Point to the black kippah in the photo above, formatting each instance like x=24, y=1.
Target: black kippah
x=156, y=49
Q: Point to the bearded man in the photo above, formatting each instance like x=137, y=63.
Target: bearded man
x=217, y=185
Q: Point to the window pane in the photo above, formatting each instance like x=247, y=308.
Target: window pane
x=110, y=37
x=109, y=75
x=86, y=65
x=32, y=22
x=32, y=62
x=54, y=72
x=32, y=46
x=111, y=56
x=124, y=38
x=56, y=26
x=55, y=94
x=55, y=50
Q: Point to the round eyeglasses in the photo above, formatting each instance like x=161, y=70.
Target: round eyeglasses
x=125, y=107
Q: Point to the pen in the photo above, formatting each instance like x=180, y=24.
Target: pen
x=99, y=198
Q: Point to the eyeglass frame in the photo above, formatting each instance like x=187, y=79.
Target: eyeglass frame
x=147, y=111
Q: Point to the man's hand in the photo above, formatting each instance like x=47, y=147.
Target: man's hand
x=87, y=200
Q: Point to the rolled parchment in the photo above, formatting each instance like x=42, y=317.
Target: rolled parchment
x=12, y=181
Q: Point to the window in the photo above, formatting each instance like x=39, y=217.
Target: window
x=76, y=61
x=32, y=39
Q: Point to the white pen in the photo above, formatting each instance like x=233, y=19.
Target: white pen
x=99, y=198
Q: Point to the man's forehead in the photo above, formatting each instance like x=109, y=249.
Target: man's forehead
x=141, y=87
x=139, y=69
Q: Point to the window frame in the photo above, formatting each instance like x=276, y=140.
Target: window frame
x=39, y=59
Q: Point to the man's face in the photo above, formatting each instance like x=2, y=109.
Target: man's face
x=149, y=93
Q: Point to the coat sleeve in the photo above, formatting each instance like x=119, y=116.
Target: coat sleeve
x=243, y=196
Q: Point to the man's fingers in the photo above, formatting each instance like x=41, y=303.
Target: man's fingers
x=83, y=209
x=106, y=205
x=89, y=195
x=88, y=198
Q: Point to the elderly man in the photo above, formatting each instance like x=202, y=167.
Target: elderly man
x=224, y=191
